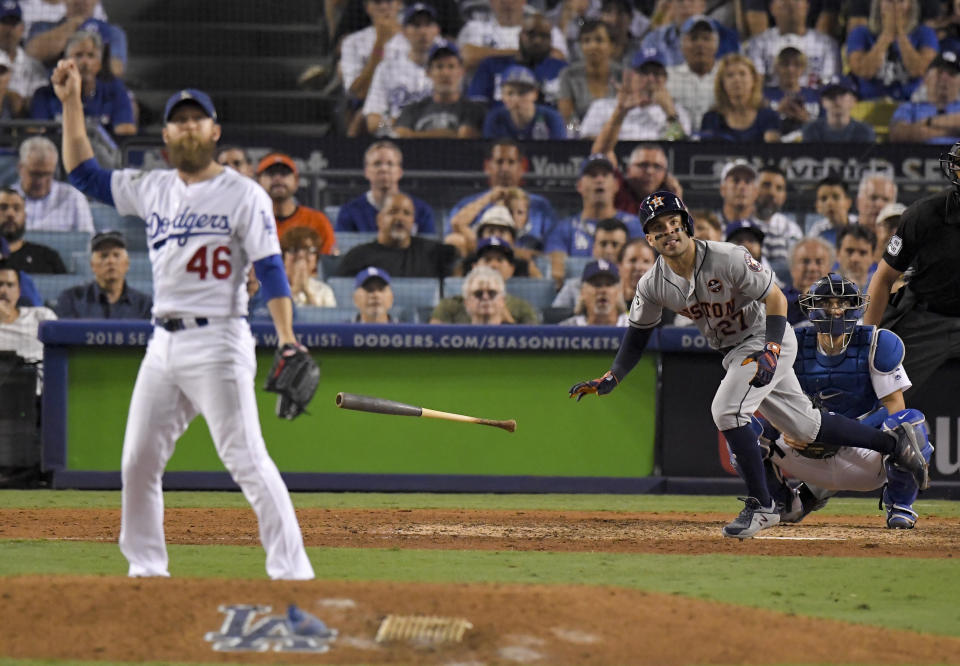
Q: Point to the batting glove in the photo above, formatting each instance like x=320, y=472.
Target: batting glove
x=766, y=360
x=600, y=386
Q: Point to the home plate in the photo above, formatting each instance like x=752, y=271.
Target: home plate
x=800, y=538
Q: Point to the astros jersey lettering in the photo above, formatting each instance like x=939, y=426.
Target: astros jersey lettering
x=201, y=237
x=724, y=300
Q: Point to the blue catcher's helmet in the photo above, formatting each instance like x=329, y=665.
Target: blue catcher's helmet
x=664, y=202
x=834, y=305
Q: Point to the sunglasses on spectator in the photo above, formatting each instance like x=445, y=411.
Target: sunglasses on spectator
x=489, y=293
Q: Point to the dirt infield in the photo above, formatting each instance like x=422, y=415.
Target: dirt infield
x=168, y=620
x=106, y=618
x=568, y=531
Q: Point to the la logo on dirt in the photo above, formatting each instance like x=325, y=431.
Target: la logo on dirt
x=248, y=628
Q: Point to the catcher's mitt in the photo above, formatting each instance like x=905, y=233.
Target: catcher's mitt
x=294, y=376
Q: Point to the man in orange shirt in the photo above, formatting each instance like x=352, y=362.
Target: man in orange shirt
x=278, y=175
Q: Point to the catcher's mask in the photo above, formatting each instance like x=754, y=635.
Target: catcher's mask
x=834, y=305
x=664, y=202
x=950, y=163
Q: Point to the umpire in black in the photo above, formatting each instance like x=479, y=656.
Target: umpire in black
x=926, y=312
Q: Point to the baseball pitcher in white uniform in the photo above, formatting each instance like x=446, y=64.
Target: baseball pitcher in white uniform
x=741, y=312
x=205, y=226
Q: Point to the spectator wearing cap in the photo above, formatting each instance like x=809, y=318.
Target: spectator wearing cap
x=738, y=192
x=46, y=40
x=690, y=82
x=890, y=54
x=610, y=237
x=534, y=53
x=739, y=115
x=383, y=169
x=790, y=29
x=499, y=35
x=832, y=202
x=105, y=99
x=797, y=104
x=577, y=236
x=856, y=248
x=237, y=159
x=497, y=224
x=27, y=73
x=936, y=120
x=445, y=113
x=301, y=248
x=838, y=97
x=493, y=306
x=599, y=302
x=520, y=117
x=595, y=76
x=646, y=171
x=373, y=296
x=24, y=255
x=643, y=109
x=108, y=296
x=277, y=173
x=401, y=81
x=396, y=249
x=888, y=219
x=504, y=165
x=748, y=235
x=667, y=38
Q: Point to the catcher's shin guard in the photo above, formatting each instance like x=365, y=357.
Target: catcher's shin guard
x=901, y=490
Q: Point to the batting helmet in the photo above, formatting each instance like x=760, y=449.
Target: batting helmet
x=834, y=305
x=950, y=163
x=664, y=202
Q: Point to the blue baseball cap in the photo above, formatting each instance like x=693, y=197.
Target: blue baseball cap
x=418, y=8
x=647, y=56
x=198, y=97
x=696, y=21
x=499, y=243
x=743, y=225
x=368, y=274
x=599, y=267
x=594, y=161
x=839, y=84
x=10, y=8
x=443, y=47
x=520, y=76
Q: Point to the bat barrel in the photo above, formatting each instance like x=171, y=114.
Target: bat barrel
x=366, y=403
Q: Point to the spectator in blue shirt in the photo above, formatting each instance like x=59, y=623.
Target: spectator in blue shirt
x=534, y=53
x=666, y=38
x=383, y=169
x=108, y=296
x=890, y=54
x=47, y=41
x=504, y=165
x=936, y=120
x=796, y=104
x=105, y=99
x=740, y=114
x=838, y=98
x=521, y=117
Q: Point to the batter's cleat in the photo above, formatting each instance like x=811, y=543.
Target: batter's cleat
x=804, y=502
x=908, y=454
x=901, y=517
x=752, y=519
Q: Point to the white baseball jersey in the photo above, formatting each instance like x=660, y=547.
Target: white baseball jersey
x=642, y=123
x=823, y=55
x=356, y=48
x=28, y=74
x=491, y=34
x=724, y=299
x=63, y=209
x=395, y=84
x=21, y=335
x=201, y=237
x=780, y=235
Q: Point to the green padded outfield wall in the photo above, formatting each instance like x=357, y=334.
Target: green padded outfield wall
x=608, y=437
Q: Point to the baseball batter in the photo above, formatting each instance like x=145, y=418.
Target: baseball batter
x=205, y=226
x=735, y=303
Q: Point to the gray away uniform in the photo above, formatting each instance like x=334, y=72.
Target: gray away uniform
x=725, y=301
